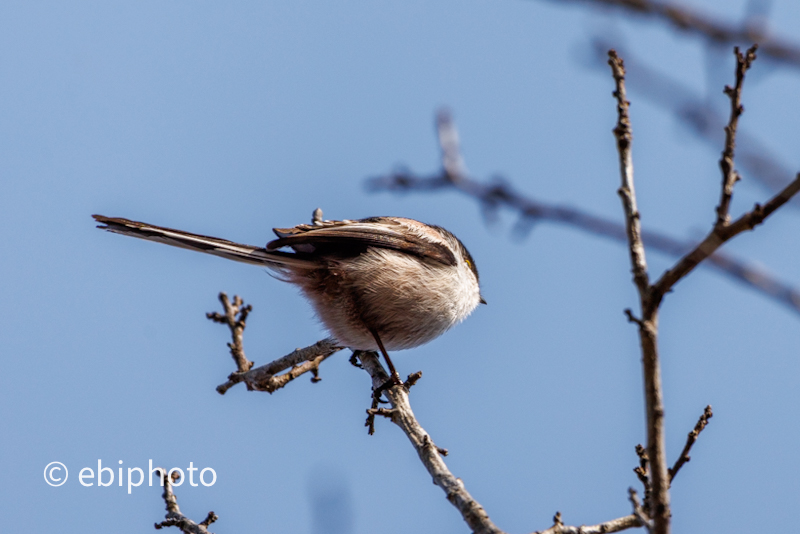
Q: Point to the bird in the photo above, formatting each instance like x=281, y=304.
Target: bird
x=376, y=284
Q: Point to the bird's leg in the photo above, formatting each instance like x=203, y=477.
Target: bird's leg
x=395, y=376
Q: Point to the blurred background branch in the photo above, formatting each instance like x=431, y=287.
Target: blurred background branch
x=752, y=29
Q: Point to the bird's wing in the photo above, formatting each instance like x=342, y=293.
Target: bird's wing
x=403, y=235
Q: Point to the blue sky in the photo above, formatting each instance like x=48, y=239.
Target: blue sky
x=230, y=119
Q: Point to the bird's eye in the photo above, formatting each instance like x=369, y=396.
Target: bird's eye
x=469, y=263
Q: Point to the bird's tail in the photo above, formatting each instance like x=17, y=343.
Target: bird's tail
x=209, y=245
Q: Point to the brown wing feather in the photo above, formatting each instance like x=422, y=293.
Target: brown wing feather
x=375, y=232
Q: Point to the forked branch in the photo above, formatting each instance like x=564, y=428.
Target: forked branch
x=266, y=377
x=235, y=317
x=174, y=517
x=651, y=297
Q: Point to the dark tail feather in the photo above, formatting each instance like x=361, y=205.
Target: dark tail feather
x=209, y=245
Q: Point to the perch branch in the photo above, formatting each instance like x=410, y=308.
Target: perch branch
x=690, y=440
x=299, y=361
x=431, y=456
x=659, y=505
x=174, y=517
x=402, y=415
x=266, y=377
x=685, y=19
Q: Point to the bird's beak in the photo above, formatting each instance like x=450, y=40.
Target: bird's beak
x=482, y=301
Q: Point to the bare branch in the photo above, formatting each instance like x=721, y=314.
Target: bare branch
x=659, y=507
x=174, y=517
x=627, y=193
x=717, y=237
x=615, y=525
x=695, y=112
x=685, y=19
x=431, y=456
x=402, y=415
x=264, y=378
x=300, y=361
x=729, y=174
x=236, y=325
x=638, y=511
x=452, y=161
x=690, y=440
x=723, y=230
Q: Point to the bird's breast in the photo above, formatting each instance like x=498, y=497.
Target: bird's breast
x=406, y=300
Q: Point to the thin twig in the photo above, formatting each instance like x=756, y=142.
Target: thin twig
x=615, y=525
x=696, y=112
x=688, y=20
x=174, y=517
x=729, y=174
x=624, y=137
x=235, y=316
x=690, y=440
x=659, y=502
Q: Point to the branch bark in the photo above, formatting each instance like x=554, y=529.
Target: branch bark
x=615, y=525
x=235, y=317
x=299, y=362
x=627, y=193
